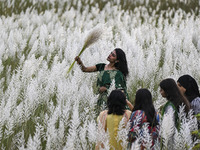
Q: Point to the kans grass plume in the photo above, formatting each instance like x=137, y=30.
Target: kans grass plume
x=92, y=37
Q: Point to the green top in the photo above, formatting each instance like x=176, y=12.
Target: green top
x=177, y=122
x=105, y=78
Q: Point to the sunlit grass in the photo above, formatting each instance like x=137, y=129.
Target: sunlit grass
x=39, y=40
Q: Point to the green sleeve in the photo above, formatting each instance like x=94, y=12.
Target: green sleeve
x=100, y=66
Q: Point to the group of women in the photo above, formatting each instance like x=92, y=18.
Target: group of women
x=113, y=108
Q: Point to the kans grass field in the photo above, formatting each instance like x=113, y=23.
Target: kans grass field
x=43, y=107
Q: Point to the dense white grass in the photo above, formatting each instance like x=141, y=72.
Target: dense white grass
x=37, y=49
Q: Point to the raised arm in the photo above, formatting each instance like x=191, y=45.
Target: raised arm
x=129, y=105
x=83, y=68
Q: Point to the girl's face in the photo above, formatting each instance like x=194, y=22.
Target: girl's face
x=112, y=57
x=181, y=88
x=162, y=92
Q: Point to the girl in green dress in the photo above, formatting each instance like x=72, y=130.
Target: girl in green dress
x=170, y=91
x=116, y=70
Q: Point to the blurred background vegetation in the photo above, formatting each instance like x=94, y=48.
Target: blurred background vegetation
x=9, y=7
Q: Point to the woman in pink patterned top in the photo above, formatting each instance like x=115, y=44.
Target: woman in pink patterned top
x=143, y=114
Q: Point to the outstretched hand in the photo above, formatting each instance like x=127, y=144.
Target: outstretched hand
x=78, y=60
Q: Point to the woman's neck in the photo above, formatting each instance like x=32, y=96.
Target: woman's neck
x=110, y=66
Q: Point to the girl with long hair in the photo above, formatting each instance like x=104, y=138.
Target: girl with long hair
x=144, y=109
x=170, y=91
x=116, y=69
x=188, y=86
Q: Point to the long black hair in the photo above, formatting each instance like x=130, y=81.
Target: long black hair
x=173, y=93
x=190, y=84
x=143, y=101
x=122, y=64
x=116, y=102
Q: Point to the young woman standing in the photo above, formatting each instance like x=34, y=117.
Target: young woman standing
x=116, y=69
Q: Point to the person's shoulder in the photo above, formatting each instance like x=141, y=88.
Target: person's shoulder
x=102, y=115
x=103, y=64
x=128, y=113
x=169, y=105
x=103, y=112
x=100, y=66
x=196, y=101
x=119, y=72
x=170, y=109
x=138, y=112
x=138, y=115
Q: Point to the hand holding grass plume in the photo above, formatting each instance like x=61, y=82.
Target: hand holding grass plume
x=93, y=37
